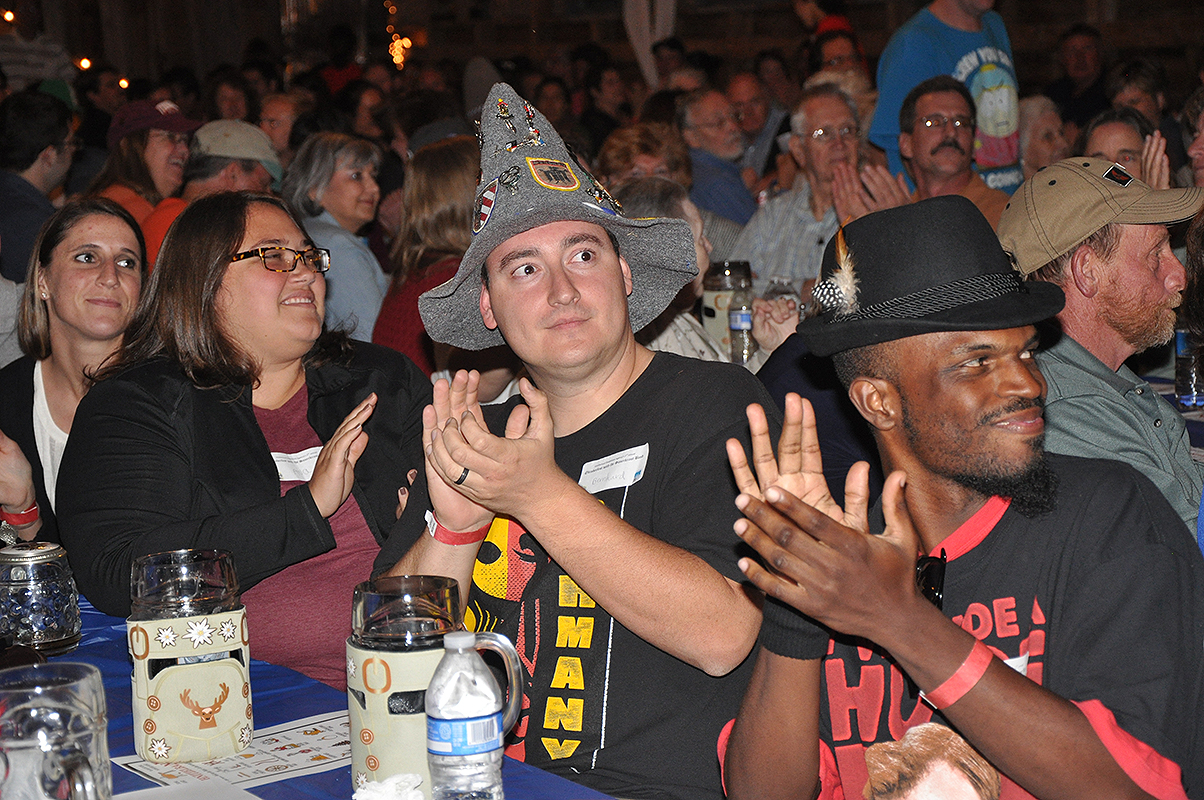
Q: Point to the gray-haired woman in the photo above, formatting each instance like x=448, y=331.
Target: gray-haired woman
x=331, y=183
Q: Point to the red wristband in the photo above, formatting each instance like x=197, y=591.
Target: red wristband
x=962, y=681
x=26, y=517
x=448, y=536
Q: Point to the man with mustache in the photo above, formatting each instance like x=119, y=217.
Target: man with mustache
x=1045, y=607
x=937, y=144
x=1088, y=226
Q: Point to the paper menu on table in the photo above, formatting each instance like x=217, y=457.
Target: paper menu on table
x=292, y=749
x=209, y=790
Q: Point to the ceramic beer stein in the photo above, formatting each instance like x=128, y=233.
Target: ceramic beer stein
x=187, y=635
x=397, y=628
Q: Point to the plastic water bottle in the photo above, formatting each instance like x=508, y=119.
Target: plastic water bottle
x=464, y=725
x=718, y=285
x=716, y=298
x=1189, y=372
x=739, y=320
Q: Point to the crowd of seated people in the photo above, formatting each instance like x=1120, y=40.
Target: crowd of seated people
x=278, y=307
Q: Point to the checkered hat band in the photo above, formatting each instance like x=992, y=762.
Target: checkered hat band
x=936, y=299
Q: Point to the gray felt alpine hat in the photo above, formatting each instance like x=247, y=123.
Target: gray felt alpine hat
x=529, y=178
x=925, y=267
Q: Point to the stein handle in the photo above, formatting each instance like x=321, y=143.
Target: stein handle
x=81, y=781
x=514, y=676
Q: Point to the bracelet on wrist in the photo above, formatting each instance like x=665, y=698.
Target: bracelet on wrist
x=22, y=518
x=963, y=680
x=448, y=536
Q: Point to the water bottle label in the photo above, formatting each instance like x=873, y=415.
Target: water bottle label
x=739, y=319
x=1184, y=343
x=464, y=737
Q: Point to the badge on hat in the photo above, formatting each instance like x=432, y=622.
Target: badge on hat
x=503, y=113
x=1117, y=175
x=509, y=179
x=552, y=174
x=484, y=206
x=531, y=138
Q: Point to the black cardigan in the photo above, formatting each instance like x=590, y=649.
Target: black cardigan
x=155, y=464
x=16, y=420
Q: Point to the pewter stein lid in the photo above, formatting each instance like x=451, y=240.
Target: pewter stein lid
x=31, y=553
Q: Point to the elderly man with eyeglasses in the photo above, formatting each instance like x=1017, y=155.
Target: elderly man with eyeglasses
x=708, y=123
x=786, y=238
x=964, y=39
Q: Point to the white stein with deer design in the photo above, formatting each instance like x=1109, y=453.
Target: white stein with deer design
x=192, y=691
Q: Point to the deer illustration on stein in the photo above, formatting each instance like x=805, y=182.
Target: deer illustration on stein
x=187, y=636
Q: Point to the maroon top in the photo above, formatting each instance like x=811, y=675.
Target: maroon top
x=398, y=325
x=300, y=617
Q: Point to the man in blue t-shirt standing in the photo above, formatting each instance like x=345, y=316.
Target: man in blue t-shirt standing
x=967, y=40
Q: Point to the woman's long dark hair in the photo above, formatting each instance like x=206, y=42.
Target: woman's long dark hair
x=126, y=165
x=177, y=315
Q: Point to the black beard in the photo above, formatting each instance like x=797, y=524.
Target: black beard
x=1033, y=492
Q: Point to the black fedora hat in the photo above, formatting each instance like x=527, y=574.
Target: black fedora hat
x=934, y=265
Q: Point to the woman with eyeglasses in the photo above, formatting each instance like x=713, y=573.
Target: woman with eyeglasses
x=148, y=148
x=331, y=182
x=233, y=419
x=85, y=276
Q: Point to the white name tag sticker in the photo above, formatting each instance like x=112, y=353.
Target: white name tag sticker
x=1019, y=663
x=296, y=466
x=617, y=471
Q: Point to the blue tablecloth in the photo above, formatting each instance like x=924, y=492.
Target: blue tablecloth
x=280, y=695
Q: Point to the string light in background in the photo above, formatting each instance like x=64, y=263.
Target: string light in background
x=397, y=50
x=9, y=16
x=86, y=64
x=399, y=44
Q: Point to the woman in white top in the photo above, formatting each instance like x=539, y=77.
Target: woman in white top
x=85, y=277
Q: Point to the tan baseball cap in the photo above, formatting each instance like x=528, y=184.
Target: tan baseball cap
x=232, y=138
x=1061, y=206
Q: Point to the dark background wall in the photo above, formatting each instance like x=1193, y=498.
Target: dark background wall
x=144, y=37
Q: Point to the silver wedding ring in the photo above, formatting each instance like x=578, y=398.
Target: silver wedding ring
x=463, y=477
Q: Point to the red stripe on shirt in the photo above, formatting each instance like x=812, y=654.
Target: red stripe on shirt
x=971, y=532
x=1151, y=771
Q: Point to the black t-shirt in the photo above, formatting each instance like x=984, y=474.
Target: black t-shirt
x=602, y=707
x=1100, y=600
